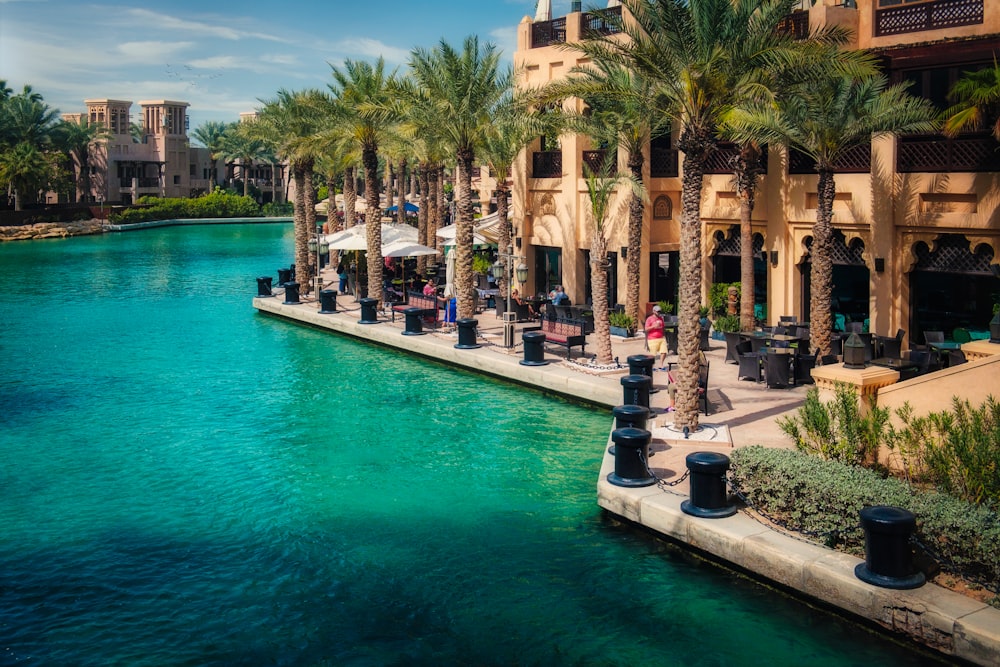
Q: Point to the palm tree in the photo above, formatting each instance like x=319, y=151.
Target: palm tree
x=600, y=192
x=362, y=94
x=28, y=133
x=76, y=139
x=239, y=143
x=468, y=85
x=211, y=135
x=825, y=118
x=24, y=171
x=976, y=98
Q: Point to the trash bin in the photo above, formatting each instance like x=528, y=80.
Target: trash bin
x=368, y=311
x=709, y=499
x=888, y=556
x=328, y=301
x=534, y=348
x=634, y=416
x=414, y=322
x=636, y=390
x=632, y=447
x=284, y=277
x=291, y=292
x=467, y=334
x=264, y=286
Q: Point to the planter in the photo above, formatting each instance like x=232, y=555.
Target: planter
x=623, y=332
x=718, y=335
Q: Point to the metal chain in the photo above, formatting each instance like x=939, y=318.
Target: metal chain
x=663, y=484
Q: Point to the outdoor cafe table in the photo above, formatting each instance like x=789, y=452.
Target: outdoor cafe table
x=894, y=364
x=944, y=346
x=536, y=303
x=763, y=335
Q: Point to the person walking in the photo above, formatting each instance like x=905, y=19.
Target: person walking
x=655, y=339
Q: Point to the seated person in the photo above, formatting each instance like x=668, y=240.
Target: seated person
x=515, y=296
x=559, y=297
x=430, y=289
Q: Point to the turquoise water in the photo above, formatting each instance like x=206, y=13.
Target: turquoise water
x=186, y=482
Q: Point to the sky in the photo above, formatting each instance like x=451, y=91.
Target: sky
x=223, y=57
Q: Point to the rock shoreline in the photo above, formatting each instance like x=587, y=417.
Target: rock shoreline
x=52, y=230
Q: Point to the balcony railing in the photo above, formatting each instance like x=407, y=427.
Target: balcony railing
x=598, y=23
x=934, y=15
x=935, y=153
x=546, y=164
x=595, y=160
x=856, y=161
x=721, y=159
x=797, y=24
x=545, y=33
x=126, y=182
x=663, y=163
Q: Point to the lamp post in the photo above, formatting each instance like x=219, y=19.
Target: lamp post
x=499, y=271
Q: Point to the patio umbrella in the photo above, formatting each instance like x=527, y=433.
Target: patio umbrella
x=356, y=237
x=407, y=207
x=404, y=248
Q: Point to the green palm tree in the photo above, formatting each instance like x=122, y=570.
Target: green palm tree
x=601, y=189
x=211, y=135
x=240, y=143
x=825, y=118
x=24, y=171
x=468, y=85
x=976, y=98
x=362, y=91
x=28, y=134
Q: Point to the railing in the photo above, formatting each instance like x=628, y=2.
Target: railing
x=597, y=23
x=595, y=160
x=858, y=160
x=796, y=24
x=544, y=33
x=126, y=182
x=721, y=159
x=934, y=15
x=935, y=153
x=546, y=164
x=663, y=163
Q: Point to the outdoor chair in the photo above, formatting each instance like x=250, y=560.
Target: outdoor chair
x=956, y=357
x=703, y=344
x=781, y=330
x=828, y=359
x=749, y=365
x=924, y=361
x=892, y=348
x=776, y=370
x=802, y=333
x=564, y=312
x=933, y=337
x=758, y=345
x=732, y=342
x=703, y=386
x=804, y=363
x=787, y=319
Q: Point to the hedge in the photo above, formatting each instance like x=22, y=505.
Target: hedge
x=216, y=204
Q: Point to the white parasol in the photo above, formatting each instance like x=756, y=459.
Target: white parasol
x=356, y=237
x=404, y=248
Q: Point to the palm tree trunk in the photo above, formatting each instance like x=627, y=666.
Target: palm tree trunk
x=430, y=200
x=504, y=242
x=369, y=159
x=746, y=170
x=350, y=195
x=423, y=217
x=301, y=228
x=401, y=191
x=442, y=202
x=689, y=297
x=599, y=280
x=463, y=234
x=246, y=180
x=309, y=207
x=634, y=261
x=821, y=280
x=331, y=203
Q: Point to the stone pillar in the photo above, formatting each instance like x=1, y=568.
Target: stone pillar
x=865, y=382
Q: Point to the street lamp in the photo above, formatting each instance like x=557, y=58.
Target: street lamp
x=499, y=271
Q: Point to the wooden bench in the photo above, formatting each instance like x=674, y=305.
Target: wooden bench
x=428, y=304
x=563, y=331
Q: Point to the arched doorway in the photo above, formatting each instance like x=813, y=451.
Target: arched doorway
x=726, y=267
x=851, y=296
x=952, y=286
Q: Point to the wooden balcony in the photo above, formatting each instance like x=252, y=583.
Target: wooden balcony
x=721, y=159
x=935, y=153
x=544, y=33
x=546, y=164
x=595, y=160
x=797, y=24
x=934, y=15
x=855, y=161
x=663, y=163
x=597, y=23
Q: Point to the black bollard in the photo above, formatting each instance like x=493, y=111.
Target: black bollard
x=327, y=301
x=534, y=348
x=632, y=445
x=414, y=322
x=888, y=556
x=264, y=286
x=291, y=270
x=636, y=389
x=642, y=364
x=708, y=499
x=635, y=416
x=284, y=277
x=467, y=334
x=368, y=311
x=292, y=292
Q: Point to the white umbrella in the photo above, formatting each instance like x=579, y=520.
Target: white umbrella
x=403, y=248
x=356, y=237
x=484, y=231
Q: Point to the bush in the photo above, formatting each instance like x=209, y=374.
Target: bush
x=275, y=210
x=825, y=497
x=727, y=323
x=217, y=204
x=621, y=320
x=718, y=297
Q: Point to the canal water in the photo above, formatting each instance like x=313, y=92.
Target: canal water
x=186, y=482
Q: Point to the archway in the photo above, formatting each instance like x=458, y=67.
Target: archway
x=851, y=297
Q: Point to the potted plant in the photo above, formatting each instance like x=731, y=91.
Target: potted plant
x=622, y=324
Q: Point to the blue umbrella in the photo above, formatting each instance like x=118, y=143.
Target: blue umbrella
x=408, y=207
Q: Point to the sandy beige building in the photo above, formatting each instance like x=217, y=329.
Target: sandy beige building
x=917, y=217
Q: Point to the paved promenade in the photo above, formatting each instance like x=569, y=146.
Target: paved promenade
x=742, y=413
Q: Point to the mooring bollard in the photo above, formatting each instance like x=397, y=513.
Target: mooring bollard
x=264, y=286
x=291, y=271
x=368, y=311
x=292, y=292
x=534, y=348
x=632, y=447
x=625, y=416
x=414, y=322
x=327, y=301
x=642, y=364
x=888, y=556
x=467, y=334
x=708, y=499
x=284, y=277
x=637, y=389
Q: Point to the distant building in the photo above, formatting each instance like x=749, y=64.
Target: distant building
x=917, y=219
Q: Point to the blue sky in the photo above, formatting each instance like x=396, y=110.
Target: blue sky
x=223, y=56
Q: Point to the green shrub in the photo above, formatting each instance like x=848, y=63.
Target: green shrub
x=729, y=323
x=825, y=497
x=277, y=209
x=666, y=307
x=217, y=204
x=718, y=297
x=621, y=320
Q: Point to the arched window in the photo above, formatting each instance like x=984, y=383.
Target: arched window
x=663, y=208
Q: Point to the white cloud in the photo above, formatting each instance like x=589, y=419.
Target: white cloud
x=505, y=39
x=365, y=47
x=149, y=53
x=279, y=59
x=158, y=21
